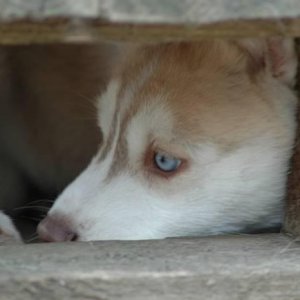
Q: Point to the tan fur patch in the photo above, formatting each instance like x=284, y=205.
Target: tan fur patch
x=204, y=83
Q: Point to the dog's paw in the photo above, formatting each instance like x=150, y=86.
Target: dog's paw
x=8, y=232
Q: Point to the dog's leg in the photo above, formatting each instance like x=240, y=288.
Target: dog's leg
x=12, y=192
x=8, y=232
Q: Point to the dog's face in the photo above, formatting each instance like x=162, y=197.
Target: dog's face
x=197, y=138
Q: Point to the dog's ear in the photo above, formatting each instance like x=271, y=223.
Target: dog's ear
x=277, y=55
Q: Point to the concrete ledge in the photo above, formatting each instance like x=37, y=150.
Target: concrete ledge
x=230, y=267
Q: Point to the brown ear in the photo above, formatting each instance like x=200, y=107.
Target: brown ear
x=276, y=54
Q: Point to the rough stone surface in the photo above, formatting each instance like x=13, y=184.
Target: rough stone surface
x=229, y=268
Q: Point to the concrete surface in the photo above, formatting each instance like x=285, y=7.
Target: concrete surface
x=228, y=268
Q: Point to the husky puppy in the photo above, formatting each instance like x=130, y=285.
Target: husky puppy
x=196, y=141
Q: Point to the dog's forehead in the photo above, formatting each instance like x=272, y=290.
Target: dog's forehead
x=204, y=87
x=176, y=73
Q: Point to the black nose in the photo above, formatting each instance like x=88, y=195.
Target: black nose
x=54, y=229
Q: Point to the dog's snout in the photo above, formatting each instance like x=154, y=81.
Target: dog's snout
x=53, y=229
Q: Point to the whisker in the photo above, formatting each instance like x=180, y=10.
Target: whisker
x=41, y=200
x=38, y=219
x=32, y=235
x=91, y=101
x=41, y=208
x=31, y=239
x=88, y=104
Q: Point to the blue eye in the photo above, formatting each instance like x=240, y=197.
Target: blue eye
x=166, y=163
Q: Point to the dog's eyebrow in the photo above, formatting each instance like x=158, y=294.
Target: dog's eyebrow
x=110, y=138
x=120, y=158
x=128, y=104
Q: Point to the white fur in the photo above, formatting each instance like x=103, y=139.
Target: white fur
x=220, y=193
x=106, y=112
x=155, y=120
x=7, y=229
x=130, y=208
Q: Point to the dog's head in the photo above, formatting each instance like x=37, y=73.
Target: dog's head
x=197, y=137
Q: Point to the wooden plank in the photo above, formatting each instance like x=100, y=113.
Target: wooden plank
x=292, y=213
x=250, y=267
x=40, y=21
x=292, y=216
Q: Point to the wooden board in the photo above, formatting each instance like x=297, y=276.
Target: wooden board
x=43, y=21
